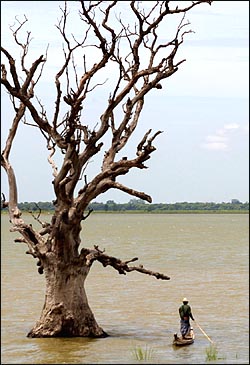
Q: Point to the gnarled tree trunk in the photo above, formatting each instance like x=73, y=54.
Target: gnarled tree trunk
x=66, y=312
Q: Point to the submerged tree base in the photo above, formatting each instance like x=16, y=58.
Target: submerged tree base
x=43, y=333
x=32, y=334
x=56, y=321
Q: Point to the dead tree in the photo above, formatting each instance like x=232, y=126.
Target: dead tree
x=140, y=63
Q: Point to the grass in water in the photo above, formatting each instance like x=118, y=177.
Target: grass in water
x=142, y=354
x=212, y=353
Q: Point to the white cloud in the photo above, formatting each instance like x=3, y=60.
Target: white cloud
x=221, y=146
x=222, y=137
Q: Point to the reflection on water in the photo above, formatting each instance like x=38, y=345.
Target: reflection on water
x=206, y=257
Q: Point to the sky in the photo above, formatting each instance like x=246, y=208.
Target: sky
x=203, y=110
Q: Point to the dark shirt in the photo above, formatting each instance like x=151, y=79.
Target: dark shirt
x=185, y=311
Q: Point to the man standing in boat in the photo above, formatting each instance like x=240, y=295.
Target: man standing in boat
x=185, y=312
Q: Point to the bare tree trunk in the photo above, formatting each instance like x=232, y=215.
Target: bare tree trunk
x=66, y=312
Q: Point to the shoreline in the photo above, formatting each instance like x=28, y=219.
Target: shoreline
x=150, y=212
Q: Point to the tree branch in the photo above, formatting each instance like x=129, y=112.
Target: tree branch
x=125, y=189
x=89, y=256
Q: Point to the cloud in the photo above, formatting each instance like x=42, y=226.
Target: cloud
x=221, y=139
x=215, y=146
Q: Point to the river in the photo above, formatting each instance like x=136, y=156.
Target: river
x=207, y=259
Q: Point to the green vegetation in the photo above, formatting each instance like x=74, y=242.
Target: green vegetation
x=212, y=353
x=142, y=354
x=140, y=206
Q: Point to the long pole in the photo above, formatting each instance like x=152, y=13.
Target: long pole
x=204, y=333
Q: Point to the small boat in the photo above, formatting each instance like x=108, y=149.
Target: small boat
x=188, y=340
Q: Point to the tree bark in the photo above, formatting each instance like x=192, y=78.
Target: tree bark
x=66, y=312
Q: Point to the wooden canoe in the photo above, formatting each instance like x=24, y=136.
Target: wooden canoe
x=189, y=339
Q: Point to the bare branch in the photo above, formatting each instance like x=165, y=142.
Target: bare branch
x=4, y=203
x=125, y=189
x=12, y=132
x=24, y=46
x=87, y=215
x=43, y=224
x=12, y=69
x=89, y=256
x=51, y=161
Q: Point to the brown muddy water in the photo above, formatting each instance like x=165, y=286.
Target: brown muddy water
x=207, y=258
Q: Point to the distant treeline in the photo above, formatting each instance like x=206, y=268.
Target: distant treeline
x=140, y=205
